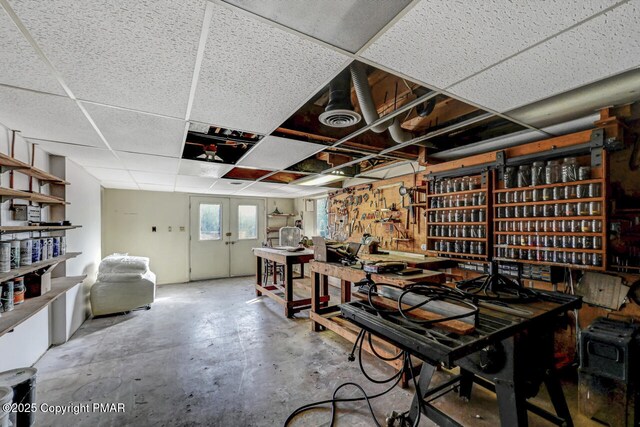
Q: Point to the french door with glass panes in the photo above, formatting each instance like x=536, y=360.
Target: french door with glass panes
x=223, y=231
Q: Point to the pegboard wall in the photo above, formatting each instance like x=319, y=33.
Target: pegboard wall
x=379, y=209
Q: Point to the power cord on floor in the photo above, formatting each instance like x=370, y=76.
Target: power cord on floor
x=396, y=377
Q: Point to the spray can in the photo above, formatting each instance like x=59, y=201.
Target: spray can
x=6, y=296
x=35, y=251
x=43, y=250
x=63, y=245
x=49, y=248
x=56, y=247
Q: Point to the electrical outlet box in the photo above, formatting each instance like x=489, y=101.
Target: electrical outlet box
x=423, y=247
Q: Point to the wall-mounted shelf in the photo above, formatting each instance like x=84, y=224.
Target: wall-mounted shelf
x=10, y=229
x=541, y=251
x=438, y=245
x=36, y=266
x=9, y=194
x=31, y=306
x=8, y=163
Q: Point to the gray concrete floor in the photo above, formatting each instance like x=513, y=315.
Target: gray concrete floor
x=210, y=354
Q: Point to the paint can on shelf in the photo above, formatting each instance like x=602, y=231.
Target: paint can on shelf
x=56, y=247
x=6, y=296
x=26, y=249
x=23, y=383
x=5, y=257
x=18, y=290
x=49, y=248
x=15, y=254
x=43, y=249
x=7, y=418
x=63, y=245
x=35, y=251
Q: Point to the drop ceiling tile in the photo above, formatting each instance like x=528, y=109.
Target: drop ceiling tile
x=274, y=153
x=156, y=187
x=84, y=156
x=194, y=181
x=205, y=169
x=106, y=174
x=332, y=21
x=440, y=42
x=120, y=185
x=43, y=116
x=253, y=75
x=135, y=54
x=131, y=131
x=229, y=185
x=19, y=64
x=153, y=178
x=148, y=163
x=599, y=48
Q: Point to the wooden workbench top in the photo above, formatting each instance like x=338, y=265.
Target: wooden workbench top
x=355, y=274
x=429, y=263
x=281, y=252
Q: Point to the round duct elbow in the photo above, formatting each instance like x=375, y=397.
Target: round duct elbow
x=339, y=110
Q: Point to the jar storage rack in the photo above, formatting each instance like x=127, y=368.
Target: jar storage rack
x=457, y=218
x=558, y=223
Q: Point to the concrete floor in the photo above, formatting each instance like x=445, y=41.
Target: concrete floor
x=210, y=354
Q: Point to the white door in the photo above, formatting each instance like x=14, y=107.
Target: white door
x=247, y=230
x=209, y=248
x=223, y=232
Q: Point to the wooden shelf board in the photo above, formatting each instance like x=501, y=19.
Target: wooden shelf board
x=560, y=184
x=540, y=248
x=549, y=218
x=551, y=202
x=29, y=170
x=9, y=193
x=453, y=193
x=31, y=306
x=456, y=254
x=550, y=233
x=275, y=215
x=36, y=266
x=559, y=264
x=29, y=228
x=457, y=208
x=457, y=223
x=472, y=239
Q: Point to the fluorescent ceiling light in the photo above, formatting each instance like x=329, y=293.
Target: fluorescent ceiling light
x=321, y=179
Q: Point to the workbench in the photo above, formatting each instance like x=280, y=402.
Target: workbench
x=283, y=294
x=325, y=316
x=424, y=262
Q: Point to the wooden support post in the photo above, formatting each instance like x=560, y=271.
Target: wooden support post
x=258, y=274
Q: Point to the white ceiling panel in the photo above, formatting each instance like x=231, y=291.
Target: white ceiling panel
x=136, y=54
x=440, y=42
x=206, y=169
x=254, y=76
x=599, y=48
x=19, y=64
x=232, y=185
x=127, y=130
x=106, y=174
x=273, y=152
x=44, y=116
x=148, y=163
x=156, y=187
x=347, y=24
x=84, y=156
x=120, y=185
x=153, y=178
x=194, y=181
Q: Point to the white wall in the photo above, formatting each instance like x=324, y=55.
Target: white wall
x=128, y=216
x=84, y=195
